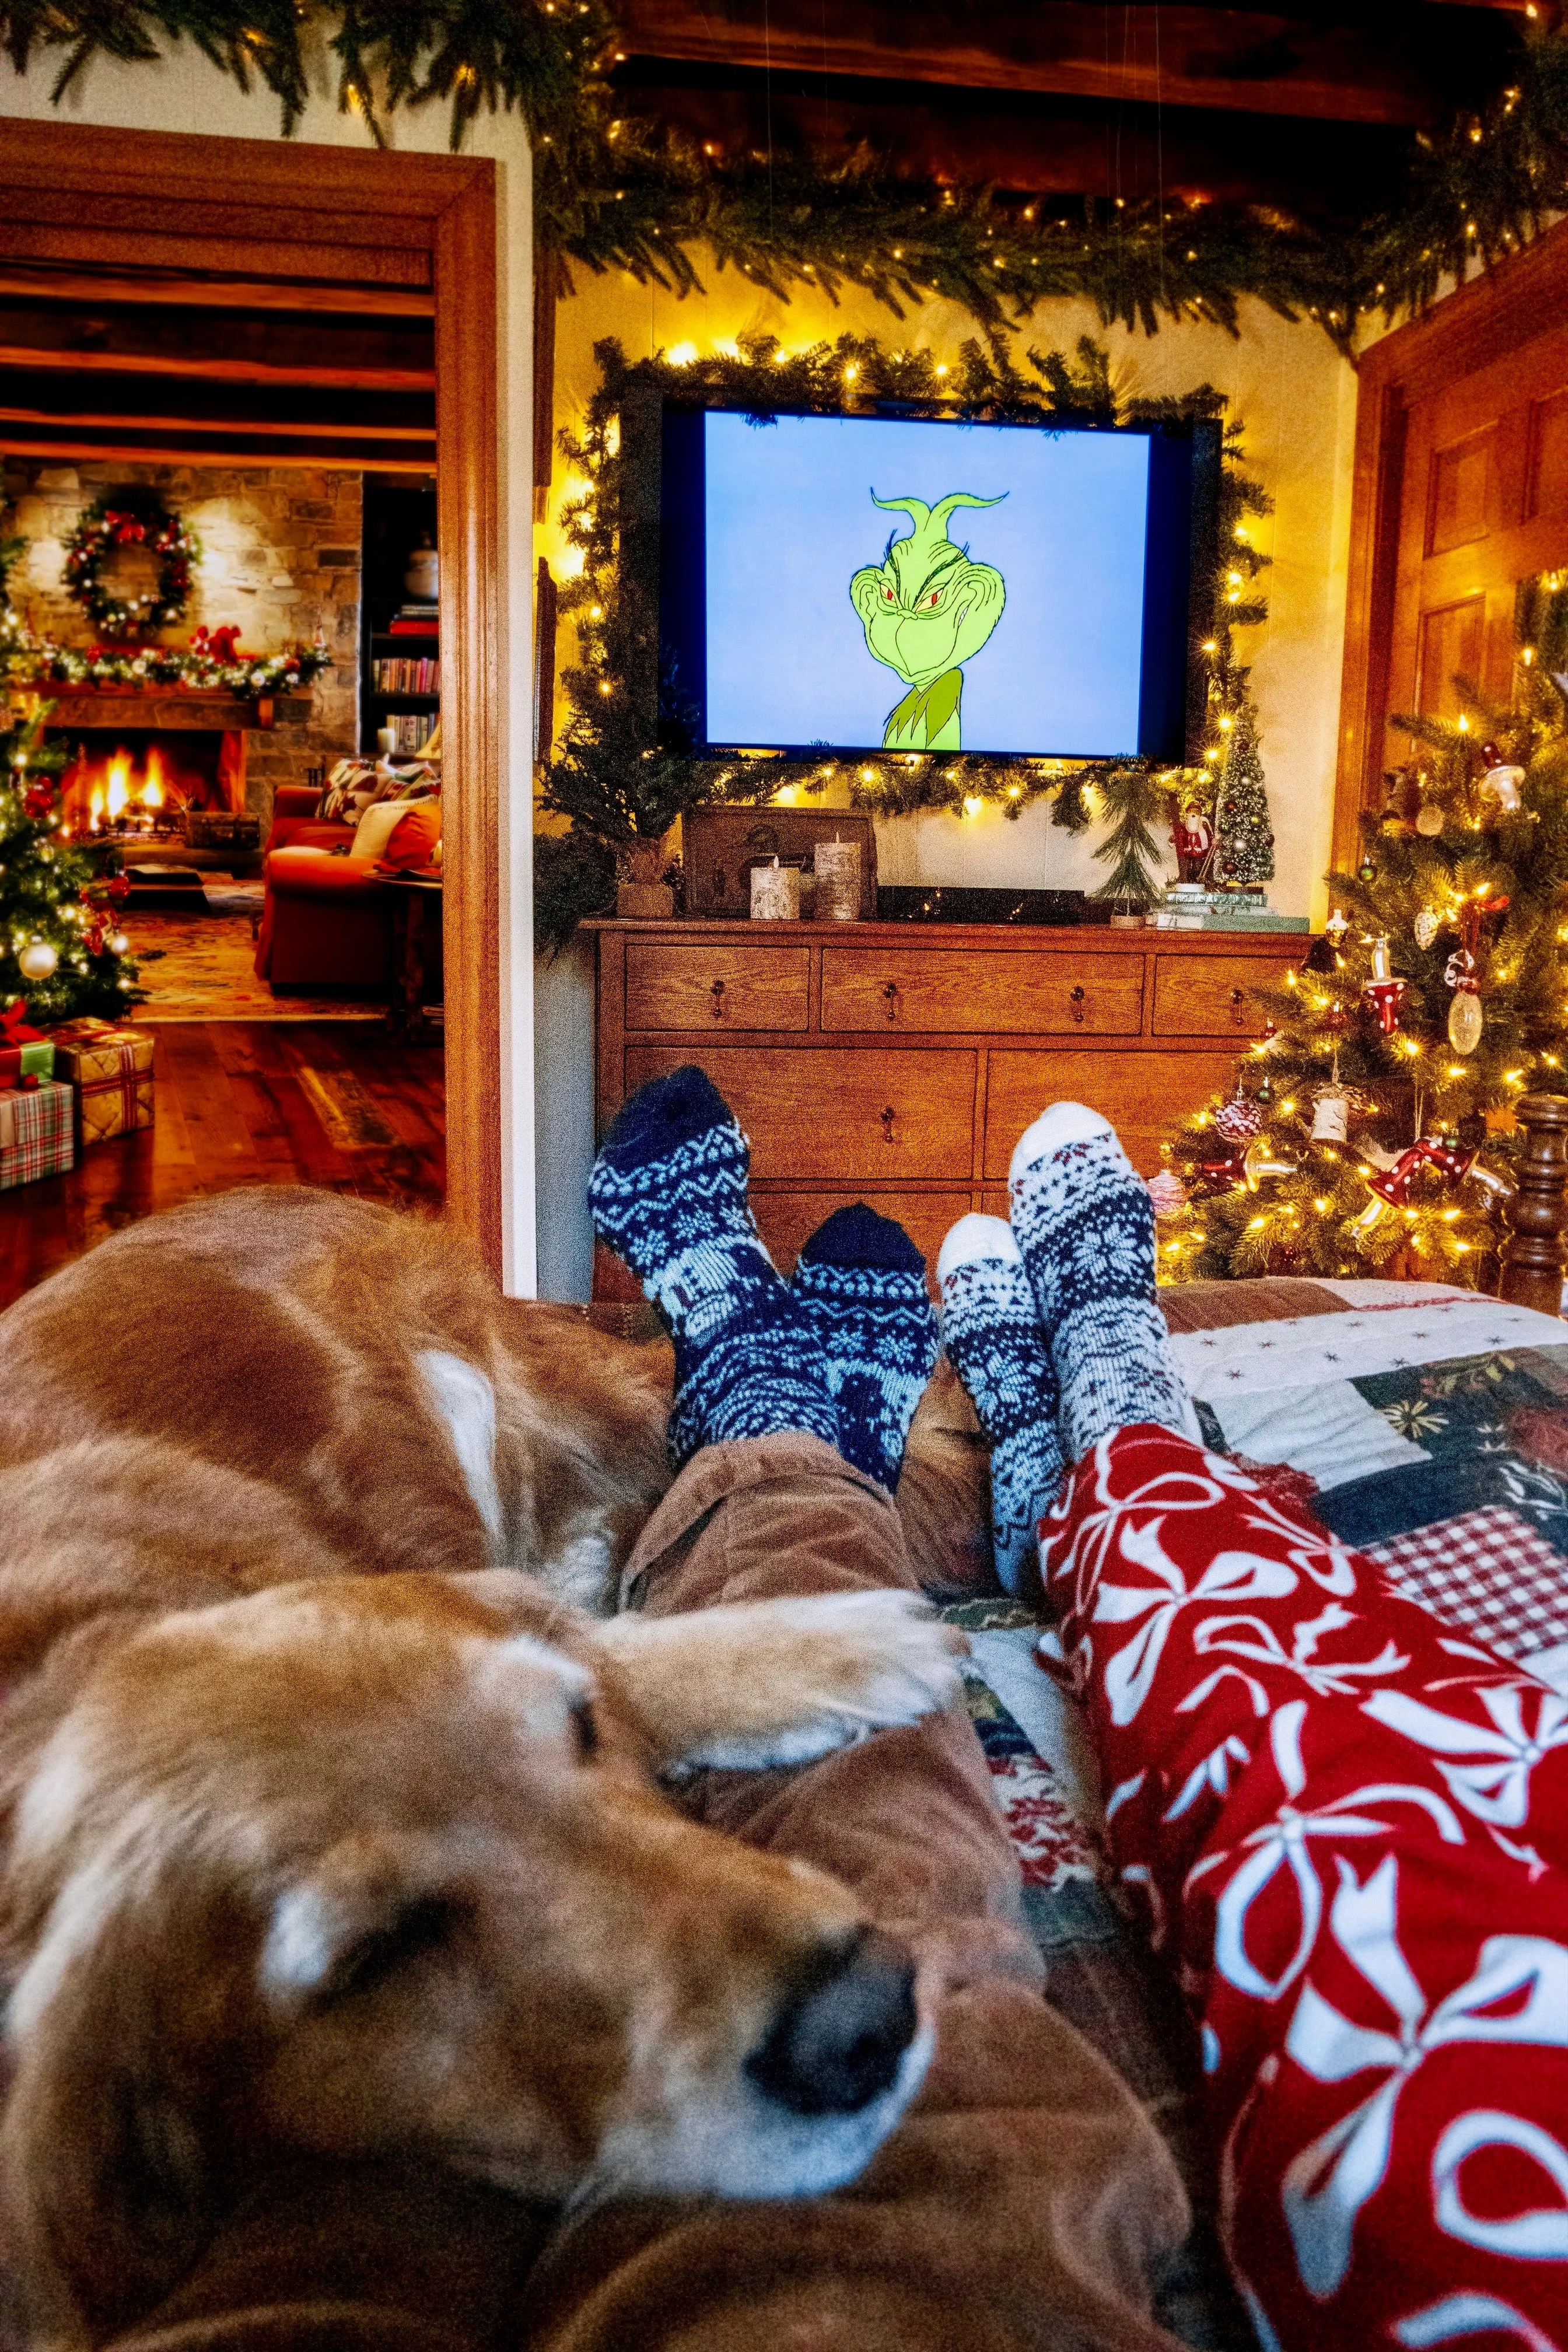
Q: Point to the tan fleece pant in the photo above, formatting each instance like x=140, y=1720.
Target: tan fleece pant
x=1019, y=2206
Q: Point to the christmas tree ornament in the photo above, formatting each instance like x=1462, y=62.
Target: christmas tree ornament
x=1238, y=1120
x=1430, y=820
x=1262, y=1159
x=1426, y=926
x=1221, y=1175
x=1336, y=927
x=118, y=943
x=1167, y=1193
x=1466, y=1021
x=1366, y=871
x=1379, y=1155
x=1331, y=1114
x=1500, y=782
x=1382, y=992
x=37, y=960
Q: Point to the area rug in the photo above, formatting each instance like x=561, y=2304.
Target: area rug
x=199, y=967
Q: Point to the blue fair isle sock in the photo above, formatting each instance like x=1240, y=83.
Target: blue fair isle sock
x=668, y=1195
x=1083, y=1222
x=862, y=1284
x=991, y=1332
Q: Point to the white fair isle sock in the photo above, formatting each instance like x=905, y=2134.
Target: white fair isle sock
x=1085, y=1227
x=991, y=1330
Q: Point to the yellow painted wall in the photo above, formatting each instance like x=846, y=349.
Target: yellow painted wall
x=1286, y=383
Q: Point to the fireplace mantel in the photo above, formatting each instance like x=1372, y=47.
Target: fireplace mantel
x=159, y=706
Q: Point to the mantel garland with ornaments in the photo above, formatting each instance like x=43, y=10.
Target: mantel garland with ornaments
x=614, y=791
x=1376, y=1129
x=617, y=193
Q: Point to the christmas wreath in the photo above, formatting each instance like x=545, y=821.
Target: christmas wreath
x=131, y=518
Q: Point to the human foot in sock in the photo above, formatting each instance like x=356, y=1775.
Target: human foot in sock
x=669, y=1195
x=991, y=1330
x=862, y=1284
x=1084, y=1225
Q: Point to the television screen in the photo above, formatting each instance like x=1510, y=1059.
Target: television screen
x=864, y=583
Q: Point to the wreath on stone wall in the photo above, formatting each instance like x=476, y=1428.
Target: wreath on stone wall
x=131, y=518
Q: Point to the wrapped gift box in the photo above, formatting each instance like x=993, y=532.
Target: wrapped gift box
x=37, y=1133
x=34, y=1061
x=111, y=1072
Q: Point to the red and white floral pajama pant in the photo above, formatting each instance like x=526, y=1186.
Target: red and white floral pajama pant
x=1348, y=1828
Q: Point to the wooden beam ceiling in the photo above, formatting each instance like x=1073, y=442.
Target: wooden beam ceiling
x=1309, y=105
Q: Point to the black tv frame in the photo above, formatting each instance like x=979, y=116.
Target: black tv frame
x=653, y=582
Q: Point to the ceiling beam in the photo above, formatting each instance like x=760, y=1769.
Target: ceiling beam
x=1230, y=59
x=210, y=371
x=268, y=427
x=336, y=459
x=43, y=282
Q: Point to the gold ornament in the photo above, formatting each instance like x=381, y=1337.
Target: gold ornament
x=1427, y=926
x=1430, y=820
x=37, y=960
x=1465, y=1020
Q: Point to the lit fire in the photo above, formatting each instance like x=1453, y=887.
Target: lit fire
x=153, y=793
x=118, y=791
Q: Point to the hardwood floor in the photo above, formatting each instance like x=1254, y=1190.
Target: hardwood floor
x=337, y=1104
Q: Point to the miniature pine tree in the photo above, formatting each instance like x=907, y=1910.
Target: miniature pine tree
x=1457, y=920
x=51, y=902
x=1243, y=836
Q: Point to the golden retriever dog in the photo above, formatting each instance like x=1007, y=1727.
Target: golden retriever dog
x=329, y=1817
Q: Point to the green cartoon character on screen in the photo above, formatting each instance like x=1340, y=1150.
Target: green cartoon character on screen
x=926, y=608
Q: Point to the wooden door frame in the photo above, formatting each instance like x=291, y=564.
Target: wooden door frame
x=1472, y=328
x=89, y=195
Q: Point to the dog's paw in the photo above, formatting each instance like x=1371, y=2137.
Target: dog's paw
x=834, y=1668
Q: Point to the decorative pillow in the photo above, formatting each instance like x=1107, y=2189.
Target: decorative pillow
x=377, y=826
x=413, y=837
x=415, y=782
x=351, y=787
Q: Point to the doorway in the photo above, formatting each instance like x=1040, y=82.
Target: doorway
x=360, y=248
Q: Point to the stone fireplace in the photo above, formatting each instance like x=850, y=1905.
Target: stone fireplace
x=280, y=560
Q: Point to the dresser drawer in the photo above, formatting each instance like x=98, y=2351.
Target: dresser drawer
x=962, y=989
x=672, y=986
x=1210, y=996
x=1142, y=1095
x=852, y=1119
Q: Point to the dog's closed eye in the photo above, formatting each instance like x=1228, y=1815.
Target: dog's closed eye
x=586, y=1729
x=420, y=1927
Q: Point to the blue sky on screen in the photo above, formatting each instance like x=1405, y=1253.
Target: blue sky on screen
x=790, y=521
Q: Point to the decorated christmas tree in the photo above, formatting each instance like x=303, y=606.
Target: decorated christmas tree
x=62, y=951
x=1373, y=1130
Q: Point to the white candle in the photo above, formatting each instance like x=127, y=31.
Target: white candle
x=775, y=893
x=837, y=865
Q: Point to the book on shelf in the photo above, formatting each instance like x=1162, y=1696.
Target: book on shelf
x=398, y=676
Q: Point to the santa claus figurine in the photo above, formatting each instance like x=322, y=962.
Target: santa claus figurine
x=1194, y=837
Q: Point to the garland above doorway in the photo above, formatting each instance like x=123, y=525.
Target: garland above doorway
x=616, y=792
x=612, y=193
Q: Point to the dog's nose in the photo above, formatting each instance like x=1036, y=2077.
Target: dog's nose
x=836, y=2044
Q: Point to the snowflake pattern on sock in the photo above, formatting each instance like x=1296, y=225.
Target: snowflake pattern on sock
x=673, y=1205
x=1085, y=1228
x=862, y=1285
x=991, y=1332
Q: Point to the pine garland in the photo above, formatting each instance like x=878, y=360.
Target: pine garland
x=615, y=195
x=615, y=791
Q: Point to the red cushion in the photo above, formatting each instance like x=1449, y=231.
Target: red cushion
x=299, y=873
x=413, y=837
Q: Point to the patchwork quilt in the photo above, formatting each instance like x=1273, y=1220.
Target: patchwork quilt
x=1427, y=1427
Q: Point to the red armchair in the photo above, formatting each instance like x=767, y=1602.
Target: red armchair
x=326, y=921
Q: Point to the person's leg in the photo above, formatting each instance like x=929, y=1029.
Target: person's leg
x=990, y=1332
x=1023, y=2201
x=1345, y=1827
x=862, y=1283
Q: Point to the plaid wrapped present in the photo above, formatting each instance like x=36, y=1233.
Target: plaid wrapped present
x=110, y=1070
x=32, y=1061
x=37, y=1134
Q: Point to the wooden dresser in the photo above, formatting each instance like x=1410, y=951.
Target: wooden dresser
x=899, y=1063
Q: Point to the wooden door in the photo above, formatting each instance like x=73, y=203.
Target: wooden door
x=1461, y=493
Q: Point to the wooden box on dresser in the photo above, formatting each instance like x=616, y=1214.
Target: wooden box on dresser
x=899, y=1063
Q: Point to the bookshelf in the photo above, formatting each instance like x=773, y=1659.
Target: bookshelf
x=395, y=514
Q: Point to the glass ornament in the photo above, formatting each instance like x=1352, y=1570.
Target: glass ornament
x=37, y=960
x=1466, y=1020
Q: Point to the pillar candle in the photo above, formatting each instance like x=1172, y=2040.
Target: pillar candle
x=837, y=865
x=775, y=893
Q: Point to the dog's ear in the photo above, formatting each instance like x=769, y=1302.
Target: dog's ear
x=103, y=2145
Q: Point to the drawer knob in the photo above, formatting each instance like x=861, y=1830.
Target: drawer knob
x=717, y=992
x=1076, y=1000
x=889, y=1115
x=1238, y=1007
x=890, y=994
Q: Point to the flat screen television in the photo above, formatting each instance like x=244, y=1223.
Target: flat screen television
x=852, y=584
